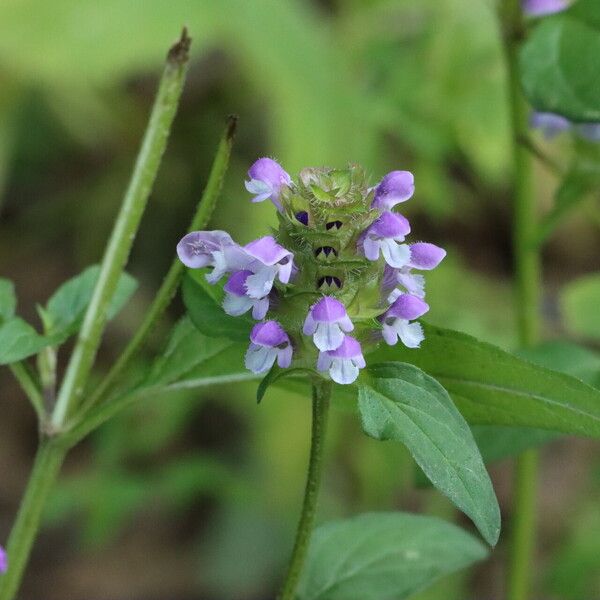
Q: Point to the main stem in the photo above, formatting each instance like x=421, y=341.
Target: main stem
x=48, y=461
x=527, y=296
x=124, y=231
x=320, y=409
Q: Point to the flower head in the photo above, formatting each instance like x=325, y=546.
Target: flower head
x=396, y=323
x=395, y=187
x=338, y=263
x=343, y=363
x=327, y=320
x=538, y=8
x=266, y=180
x=386, y=235
x=3, y=561
x=237, y=302
x=268, y=343
x=205, y=249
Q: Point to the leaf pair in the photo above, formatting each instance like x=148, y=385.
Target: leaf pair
x=61, y=316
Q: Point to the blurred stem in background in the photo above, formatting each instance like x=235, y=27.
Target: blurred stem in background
x=53, y=448
x=320, y=409
x=527, y=262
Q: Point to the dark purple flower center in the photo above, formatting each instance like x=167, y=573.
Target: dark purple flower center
x=334, y=225
x=302, y=216
x=326, y=250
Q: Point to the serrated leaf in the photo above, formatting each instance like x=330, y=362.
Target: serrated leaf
x=204, y=305
x=18, y=340
x=559, y=63
x=8, y=299
x=493, y=387
x=403, y=404
x=65, y=309
x=383, y=556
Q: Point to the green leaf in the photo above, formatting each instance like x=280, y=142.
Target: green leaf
x=193, y=360
x=559, y=63
x=64, y=311
x=203, y=302
x=581, y=180
x=383, y=556
x=8, y=299
x=18, y=340
x=493, y=387
x=580, y=302
x=403, y=404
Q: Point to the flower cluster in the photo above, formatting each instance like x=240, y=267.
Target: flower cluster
x=3, y=561
x=336, y=277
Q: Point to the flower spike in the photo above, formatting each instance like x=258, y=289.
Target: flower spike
x=338, y=263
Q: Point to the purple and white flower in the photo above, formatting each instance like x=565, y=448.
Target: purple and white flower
x=395, y=187
x=266, y=259
x=266, y=180
x=268, y=343
x=343, y=363
x=386, y=235
x=423, y=256
x=3, y=561
x=327, y=321
x=538, y=8
x=237, y=302
x=200, y=249
x=396, y=321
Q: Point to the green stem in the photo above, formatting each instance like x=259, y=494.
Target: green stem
x=320, y=408
x=124, y=231
x=27, y=382
x=527, y=297
x=171, y=281
x=523, y=537
x=48, y=461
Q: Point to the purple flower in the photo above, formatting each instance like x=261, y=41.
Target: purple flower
x=268, y=342
x=549, y=124
x=386, y=235
x=205, y=249
x=538, y=8
x=396, y=321
x=344, y=362
x=423, y=256
x=266, y=259
x=237, y=302
x=327, y=321
x=3, y=561
x=266, y=179
x=395, y=187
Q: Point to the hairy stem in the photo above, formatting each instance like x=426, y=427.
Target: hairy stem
x=48, y=461
x=172, y=279
x=124, y=231
x=527, y=297
x=53, y=449
x=320, y=409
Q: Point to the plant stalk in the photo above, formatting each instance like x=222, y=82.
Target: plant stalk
x=527, y=261
x=124, y=231
x=172, y=279
x=48, y=461
x=54, y=447
x=320, y=408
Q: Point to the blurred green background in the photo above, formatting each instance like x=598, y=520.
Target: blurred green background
x=196, y=496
